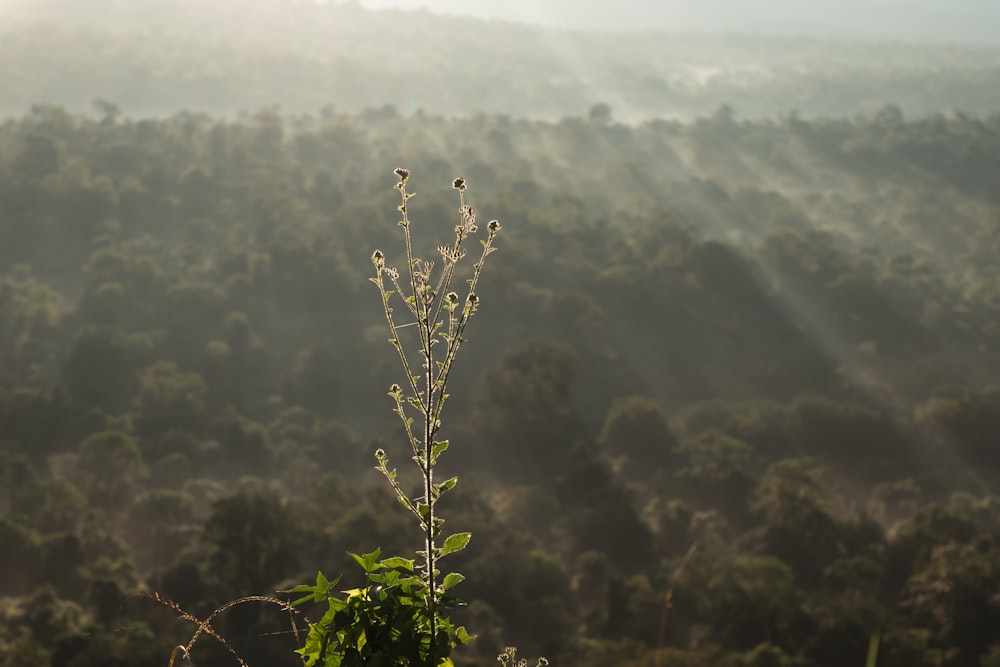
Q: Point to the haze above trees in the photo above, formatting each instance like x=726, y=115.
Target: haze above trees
x=236, y=55
x=913, y=20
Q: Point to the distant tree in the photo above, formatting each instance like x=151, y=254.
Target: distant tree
x=600, y=512
x=254, y=541
x=18, y=558
x=966, y=419
x=101, y=365
x=49, y=618
x=108, y=469
x=38, y=156
x=635, y=431
x=955, y=596
x=799, y=526
x=742, y=600
x=30, y=311
x=914, y=540
x=160, y=524
x=169, y=399
x=845, y=434
x=525, y=406
x=38, y=422
x=54, y=505
x=600, y=113
x=717, y=471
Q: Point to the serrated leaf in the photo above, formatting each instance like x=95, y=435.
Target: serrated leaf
x=454, y=543
x=437, y=447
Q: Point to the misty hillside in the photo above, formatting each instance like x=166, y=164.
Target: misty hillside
x=234, y=56
x=909, y=20
x=772, y=342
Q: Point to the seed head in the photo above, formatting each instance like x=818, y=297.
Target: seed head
x=459, y=184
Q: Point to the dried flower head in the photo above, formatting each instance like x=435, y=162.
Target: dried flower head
x=468, y=220
x=459, y=184
x=403, y=174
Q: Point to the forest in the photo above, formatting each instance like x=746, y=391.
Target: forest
x=731, y=399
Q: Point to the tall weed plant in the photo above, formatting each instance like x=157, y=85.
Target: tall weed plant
x=400, y=617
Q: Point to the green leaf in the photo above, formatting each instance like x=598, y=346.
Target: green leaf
x=302, y=600
x=367, y=561
x=454, y=543
x=301, y=588
x=873, y=644
x=451, y=580
x=397, y=562
x=446, y=485
x=439, y=446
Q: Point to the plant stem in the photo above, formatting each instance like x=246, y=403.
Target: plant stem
x=429, y=489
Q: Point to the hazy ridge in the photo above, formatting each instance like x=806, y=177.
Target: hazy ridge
x=239, y=56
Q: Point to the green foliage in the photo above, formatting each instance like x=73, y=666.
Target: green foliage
x=384, y=623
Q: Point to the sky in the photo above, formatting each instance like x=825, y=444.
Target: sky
x=908, y=20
